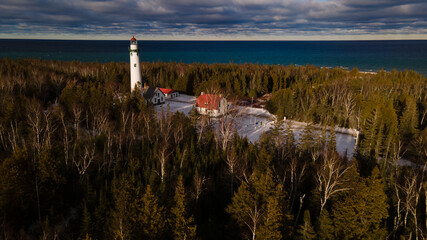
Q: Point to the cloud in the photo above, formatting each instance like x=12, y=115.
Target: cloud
x=213, y=17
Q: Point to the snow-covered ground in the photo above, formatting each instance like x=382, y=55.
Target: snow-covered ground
x=183, y=103
x=252, y=122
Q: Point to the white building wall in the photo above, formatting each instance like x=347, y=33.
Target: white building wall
x=158, y=97
x=174, y=94
x=222, y=109
x=135, y=68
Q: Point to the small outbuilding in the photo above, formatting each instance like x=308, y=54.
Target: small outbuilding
x=169, y=93
x=211, y=104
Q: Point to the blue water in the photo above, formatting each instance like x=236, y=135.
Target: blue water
x=365, y=55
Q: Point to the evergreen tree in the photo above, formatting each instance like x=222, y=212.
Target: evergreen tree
x=306, y=230
x=361, y=212
x=273, y=220
x=151, y=216
x=409, y=120
x=276, y=132
x=86, y=228
x=17, y=189
x=194, y=116
x=332, y=143
x=308, y=138
x=182, y=226
x=324, y=227
x=255, y=205
x=125, y=215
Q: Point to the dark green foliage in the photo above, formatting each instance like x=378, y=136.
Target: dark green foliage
x=152, y=216
x=17, y=183
x=306, y=230
x=324, y=228
x=80, y=157
x=360, y=213
x=181, y=225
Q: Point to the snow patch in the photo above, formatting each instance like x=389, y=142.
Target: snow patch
x=253, y=122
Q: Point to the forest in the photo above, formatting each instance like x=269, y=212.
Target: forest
x=83, y=158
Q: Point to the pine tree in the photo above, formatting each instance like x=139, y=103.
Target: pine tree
x=17, y=187
x=87, y=237
x=127, y=202
x=86, y=221
x=151, y=216
x=379, y=128
x=324, y=227
x=256, y=206
x=332, y=143
x=194, y=116
x=272, y=225
x=308, y=138
x=306, y=230
x=182, y=226
x=361, y=212
x=409, y=119
x=276, y=132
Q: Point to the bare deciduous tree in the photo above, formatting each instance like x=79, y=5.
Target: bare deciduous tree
x=99, y=121
x=50, y=127
x=226, y=128
x=296, y=175
x=232, y=164
x=84, y=161
x=178, y=132
x=13, y=135
x=66, y=136
x=349, y=104
x=34, y=119
x=202, y=125
x=164, y=150
x=77, y=120
x=329, y=178
x=411, y=189
x=199, y=184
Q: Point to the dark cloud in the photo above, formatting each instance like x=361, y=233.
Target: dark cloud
x=212, y=17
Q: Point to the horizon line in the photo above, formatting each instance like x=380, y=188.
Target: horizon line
x=145, y=37
x=218, y=40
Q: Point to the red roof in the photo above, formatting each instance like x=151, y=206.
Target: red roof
x=133, y=38
x=166, y=90
x=209, y=101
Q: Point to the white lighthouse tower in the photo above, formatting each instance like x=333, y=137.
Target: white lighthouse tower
x=135, y=69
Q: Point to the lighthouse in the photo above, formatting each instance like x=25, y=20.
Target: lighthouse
x=135, y=69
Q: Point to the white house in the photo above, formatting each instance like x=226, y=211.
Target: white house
x=153, y=95
x=211, y=104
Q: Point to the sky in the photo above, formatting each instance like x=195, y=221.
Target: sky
x=214, y=19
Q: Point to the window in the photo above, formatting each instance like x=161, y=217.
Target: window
x=131, y=53
x=134, y=65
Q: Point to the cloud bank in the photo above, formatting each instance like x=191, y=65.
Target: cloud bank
x=214, y=19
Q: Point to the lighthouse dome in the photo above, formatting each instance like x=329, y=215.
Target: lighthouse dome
x=133, y=39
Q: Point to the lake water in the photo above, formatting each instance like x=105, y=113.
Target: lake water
x=365, y=55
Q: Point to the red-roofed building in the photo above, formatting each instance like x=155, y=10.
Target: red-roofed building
x=169, y=93
x=211, y=104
